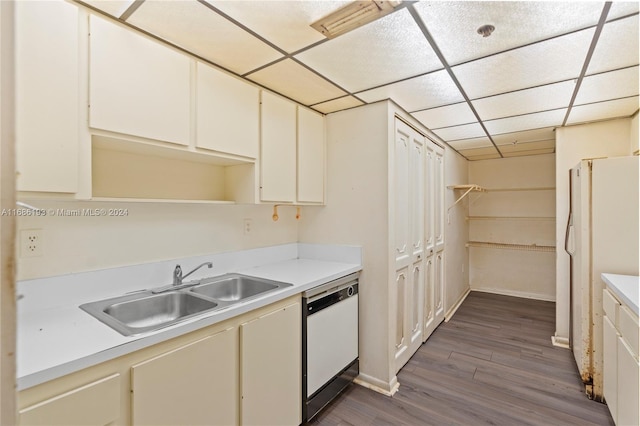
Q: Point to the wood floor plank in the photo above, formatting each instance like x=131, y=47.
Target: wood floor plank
x=492, y=363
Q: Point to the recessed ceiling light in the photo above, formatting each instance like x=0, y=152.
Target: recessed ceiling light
x=486, y=30
x=353, y=15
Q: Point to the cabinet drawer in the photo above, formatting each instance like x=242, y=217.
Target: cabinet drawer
x=610, y=305
x=96, y=403
x=628, y=327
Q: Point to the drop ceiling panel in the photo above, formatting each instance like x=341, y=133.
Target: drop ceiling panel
x=466, y=131
x=617, y=46
x=610, y=85
x=427, y=91
x=112, y=7
x=547, y=62
x=383, y=51
x=480, y=153
x=603, y=110
x=526, y=101
x=338, y=104
x=284, y=23
x=450, y=115
x=295, y=81
x=471, y=143
x=526, y=122
x=622, y=8
x=527, y=147
x=453, y=25
x=198, y=29
x=537, y=135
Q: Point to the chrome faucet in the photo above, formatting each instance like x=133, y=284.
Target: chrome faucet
x=177, y=273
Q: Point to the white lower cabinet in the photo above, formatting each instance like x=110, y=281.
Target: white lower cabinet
x=195, y=384
x=621, y=365
x=96, y=403
x=243, y=371
x=270, y=368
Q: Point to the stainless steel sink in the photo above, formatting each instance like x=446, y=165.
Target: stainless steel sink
x=141, y=312
x=150, y=310
x=235, y=287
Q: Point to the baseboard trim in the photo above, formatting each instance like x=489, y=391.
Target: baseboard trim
x=560, y=342
x=456, y=305
x=513, y=293
x=388, y=389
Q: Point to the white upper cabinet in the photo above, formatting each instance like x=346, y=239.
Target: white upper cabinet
x=227, y=113
x=310, y=156
x=278, y=149
x=137, y=86
x=47, y=91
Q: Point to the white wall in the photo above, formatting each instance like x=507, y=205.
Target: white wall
x=602, y=139
x=518, y=209
x=456, y=172
x=357, y=214
x=149, y=232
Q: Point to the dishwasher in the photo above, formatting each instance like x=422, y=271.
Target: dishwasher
x=329, y=342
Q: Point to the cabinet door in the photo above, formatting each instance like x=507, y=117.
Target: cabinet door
x=137, y=86
x=271, y=368
x=610, y=366
x=429, y=306
x=438, y=198
x=438, y=287
x=628, y=389
x=47, y=91
x=401, y=342
x=278, y=149
x=429, y=206
x=96, y=403
x=417, y=187
x=401, y=194
x=227, y=113
x=310, y=156
x=196, y=384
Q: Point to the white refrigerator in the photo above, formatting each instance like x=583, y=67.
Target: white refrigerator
x=602, y=236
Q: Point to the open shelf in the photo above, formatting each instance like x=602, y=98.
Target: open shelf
x=130, y=171
x=468, y=188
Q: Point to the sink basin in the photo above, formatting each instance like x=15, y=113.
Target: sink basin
x=150, y=310
x=235, y=287
x=141, y=312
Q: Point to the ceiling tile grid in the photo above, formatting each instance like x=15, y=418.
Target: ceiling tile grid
x=536, y=135
x=472, y=143
x=466, y=131
x=387, y=50
x=334, y=105
x=526, y=122
x=113, y=7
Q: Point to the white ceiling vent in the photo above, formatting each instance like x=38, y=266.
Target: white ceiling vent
x=353, y=15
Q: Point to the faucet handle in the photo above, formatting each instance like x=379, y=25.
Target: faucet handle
x=177, y=275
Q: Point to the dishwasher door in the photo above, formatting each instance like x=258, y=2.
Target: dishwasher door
x=330, y=342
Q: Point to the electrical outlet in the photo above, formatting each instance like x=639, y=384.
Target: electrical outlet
x=247, y=226
x=31, y=243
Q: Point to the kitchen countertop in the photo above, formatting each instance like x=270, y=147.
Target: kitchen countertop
x=61, y=339
x=625, y=287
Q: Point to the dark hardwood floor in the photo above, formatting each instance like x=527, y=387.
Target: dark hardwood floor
x=493, y=363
